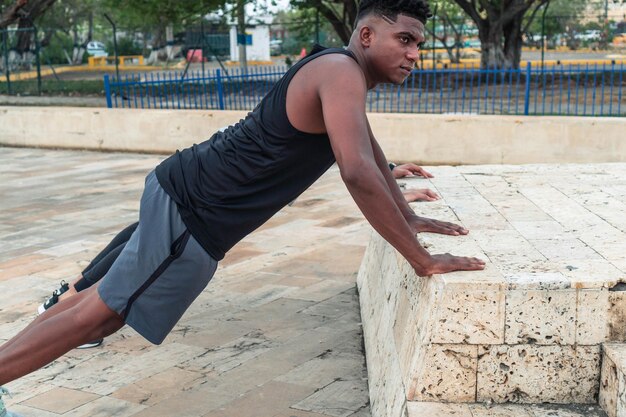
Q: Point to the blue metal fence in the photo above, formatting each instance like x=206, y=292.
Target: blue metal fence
x=584, y=90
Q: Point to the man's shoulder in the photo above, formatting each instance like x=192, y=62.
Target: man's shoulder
x=333, y=67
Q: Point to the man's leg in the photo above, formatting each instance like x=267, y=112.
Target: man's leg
x=102, y=262
x=80, y=319
x=94, y=272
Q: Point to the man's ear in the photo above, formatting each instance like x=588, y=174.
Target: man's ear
x=365, y=36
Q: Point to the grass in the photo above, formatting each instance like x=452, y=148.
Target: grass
x=55, y=88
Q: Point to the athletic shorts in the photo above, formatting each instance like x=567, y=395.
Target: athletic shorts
x=160, y=272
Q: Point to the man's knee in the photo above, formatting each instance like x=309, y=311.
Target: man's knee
x=93, y=315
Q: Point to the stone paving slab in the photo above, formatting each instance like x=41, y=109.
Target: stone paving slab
x=275, y=334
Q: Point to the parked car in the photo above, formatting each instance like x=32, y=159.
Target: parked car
x=589, y=35
x=276, y=47
x=95, y=48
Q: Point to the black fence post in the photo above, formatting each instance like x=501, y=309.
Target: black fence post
x=117, y=70
x=37, y=60
x=434, y=17
x=5, y=42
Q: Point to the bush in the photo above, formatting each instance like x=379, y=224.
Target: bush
x=54, y=53
x=125, y=46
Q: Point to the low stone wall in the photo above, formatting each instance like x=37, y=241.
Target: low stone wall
x=527, y=329
x=474, y=337
x=423, y=138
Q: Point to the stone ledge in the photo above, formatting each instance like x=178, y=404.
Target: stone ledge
x=421, y=409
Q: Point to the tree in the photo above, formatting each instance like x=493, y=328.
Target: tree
x=563, y=20
x=301, y=26
x=501, y=24
x=75, y=18
x=341, y=14
x=24, y=13
x=451, y=17
x=162, y=16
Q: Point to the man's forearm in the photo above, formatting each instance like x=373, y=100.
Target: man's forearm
x=371, y=193
x=383, y=165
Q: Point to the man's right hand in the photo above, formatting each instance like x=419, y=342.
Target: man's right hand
x=443, y=263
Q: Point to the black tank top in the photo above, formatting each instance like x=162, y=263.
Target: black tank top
x=234, y=182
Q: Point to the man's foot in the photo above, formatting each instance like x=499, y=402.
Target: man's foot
x=54, y=298
x=89, y=345
x=3, y=410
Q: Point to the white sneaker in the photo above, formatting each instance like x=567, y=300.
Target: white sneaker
x=54, y=298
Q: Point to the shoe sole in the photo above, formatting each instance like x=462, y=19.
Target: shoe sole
x=90, y=345
x=40, y=310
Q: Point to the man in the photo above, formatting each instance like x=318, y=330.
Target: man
x=201, y=201
x=102, y=262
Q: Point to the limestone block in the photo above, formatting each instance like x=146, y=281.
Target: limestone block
x=537, y=280
x=543, y=317
x=404, y=332
x=507, y=247
x=617, y=316
x=424, y=296
x=505, y=410
x=590, y=273
x=592, y=317
x=469, y=317
x=535, y=374
x=608, y=387
x=621, y=394
x=448, y=374
x=613, y=379
x=546, y=229
x=434, y=409
x=562, y=249
x=490, y=278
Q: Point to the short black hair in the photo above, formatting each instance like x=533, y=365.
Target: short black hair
x=417, y=9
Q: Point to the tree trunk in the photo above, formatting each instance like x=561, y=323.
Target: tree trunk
x=10, y=15
x=159, y=52
x=513, y=42
x=499, y=29
x=24, y=57
x=80, y=45
x=501, y=47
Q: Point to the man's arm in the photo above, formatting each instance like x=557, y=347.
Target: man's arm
x=342, y=93
x=418, y=224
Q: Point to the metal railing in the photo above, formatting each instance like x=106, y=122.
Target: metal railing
x=584, y=90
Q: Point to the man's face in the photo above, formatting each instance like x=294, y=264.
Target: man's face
x=395, y=47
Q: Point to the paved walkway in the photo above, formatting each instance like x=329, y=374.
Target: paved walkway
x=276, y=334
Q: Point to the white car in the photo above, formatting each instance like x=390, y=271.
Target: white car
x=589, y=35
x=95, y=48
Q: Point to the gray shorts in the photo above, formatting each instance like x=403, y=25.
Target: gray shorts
x=161, y=270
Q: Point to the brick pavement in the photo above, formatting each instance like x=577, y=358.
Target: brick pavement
x=275, y=334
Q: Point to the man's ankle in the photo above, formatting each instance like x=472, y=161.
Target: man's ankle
x=67, y=294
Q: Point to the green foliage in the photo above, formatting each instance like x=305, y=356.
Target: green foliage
x=125, y=46
x=147, y=14
x=54, y=53
x=301, y=27
x=561, y=15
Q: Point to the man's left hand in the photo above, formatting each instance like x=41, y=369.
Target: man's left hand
x=409, y=170
x=424, y=224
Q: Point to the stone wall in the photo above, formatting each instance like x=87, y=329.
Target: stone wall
x=423, y=138
x=527, y=329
